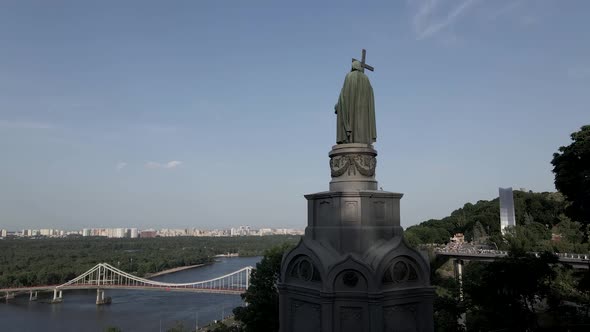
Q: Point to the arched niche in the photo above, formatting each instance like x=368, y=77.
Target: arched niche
x=350, y=280
x=301, y=268
x=402, y=270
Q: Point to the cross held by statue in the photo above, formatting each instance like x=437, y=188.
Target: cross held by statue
x=363, y=64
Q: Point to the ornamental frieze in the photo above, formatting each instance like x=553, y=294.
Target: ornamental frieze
x=353, y=163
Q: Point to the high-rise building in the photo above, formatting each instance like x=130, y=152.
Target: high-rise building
x=46, y=232
x=119, y=232
x=3, y=232
x=507, y=217
x=148, y=233
x=86, y=232
x=264, y=231
x=133, y=233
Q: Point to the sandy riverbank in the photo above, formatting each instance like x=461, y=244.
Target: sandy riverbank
x=176, y=269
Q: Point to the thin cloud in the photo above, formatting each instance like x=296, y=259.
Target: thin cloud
x=25, y=125
x=168, y=165
x=507, y=9
x=431, y=17
x=173, y=164
x=519, y=11
x=120, y=165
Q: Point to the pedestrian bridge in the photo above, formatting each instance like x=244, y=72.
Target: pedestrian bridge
x=105, y=276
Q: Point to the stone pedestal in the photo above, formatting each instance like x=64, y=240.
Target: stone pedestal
x=352, y=271
x=352, y=167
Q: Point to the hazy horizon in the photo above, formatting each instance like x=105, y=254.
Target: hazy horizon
x=192, y=114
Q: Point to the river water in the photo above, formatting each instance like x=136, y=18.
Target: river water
x=131, y=310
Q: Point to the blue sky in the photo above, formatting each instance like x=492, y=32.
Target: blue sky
x=220, y=113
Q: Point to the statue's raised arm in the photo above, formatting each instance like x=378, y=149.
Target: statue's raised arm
x=355, y=110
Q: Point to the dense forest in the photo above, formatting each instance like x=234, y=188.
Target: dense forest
x=25, y=262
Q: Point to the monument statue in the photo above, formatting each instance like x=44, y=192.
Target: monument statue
x=353, y=271
x=355, y=110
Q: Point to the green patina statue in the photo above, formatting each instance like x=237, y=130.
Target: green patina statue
x=355, y=109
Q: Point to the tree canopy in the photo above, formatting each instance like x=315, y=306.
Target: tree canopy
x=524, y=293
x=571, y=165
x=262, y=312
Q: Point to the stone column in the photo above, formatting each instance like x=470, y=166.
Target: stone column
x=458, y=264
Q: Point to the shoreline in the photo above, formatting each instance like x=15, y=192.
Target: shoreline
x=188, y=267
x=174, y=269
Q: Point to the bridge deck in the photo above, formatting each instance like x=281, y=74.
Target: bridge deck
x=578, y=261
x=21, y=290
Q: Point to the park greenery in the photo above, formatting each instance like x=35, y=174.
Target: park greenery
x=262, y=312
x=542, y=224
x=45, y=261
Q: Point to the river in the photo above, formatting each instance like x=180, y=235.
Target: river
x=131, y=310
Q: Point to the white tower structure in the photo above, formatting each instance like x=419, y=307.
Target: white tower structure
x=507, y=217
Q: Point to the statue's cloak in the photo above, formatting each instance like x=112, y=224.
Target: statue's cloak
x=356, y=109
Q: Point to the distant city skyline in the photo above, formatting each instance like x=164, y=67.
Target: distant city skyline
x=133, y=232
x=209, y=114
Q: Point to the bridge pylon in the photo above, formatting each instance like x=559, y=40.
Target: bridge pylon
x=100, y=299
x=9, y=296
x=57, y=298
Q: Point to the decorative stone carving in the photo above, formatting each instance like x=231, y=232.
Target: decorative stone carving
x=352, y=167
x=400, y=270
x=303, y=269
x=379, y=210
x=339, y=165
x=324, y=209
x=364, y=164
x=351, y=211
x=351, y=280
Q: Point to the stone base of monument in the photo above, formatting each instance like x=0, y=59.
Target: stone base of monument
x=352, y=271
